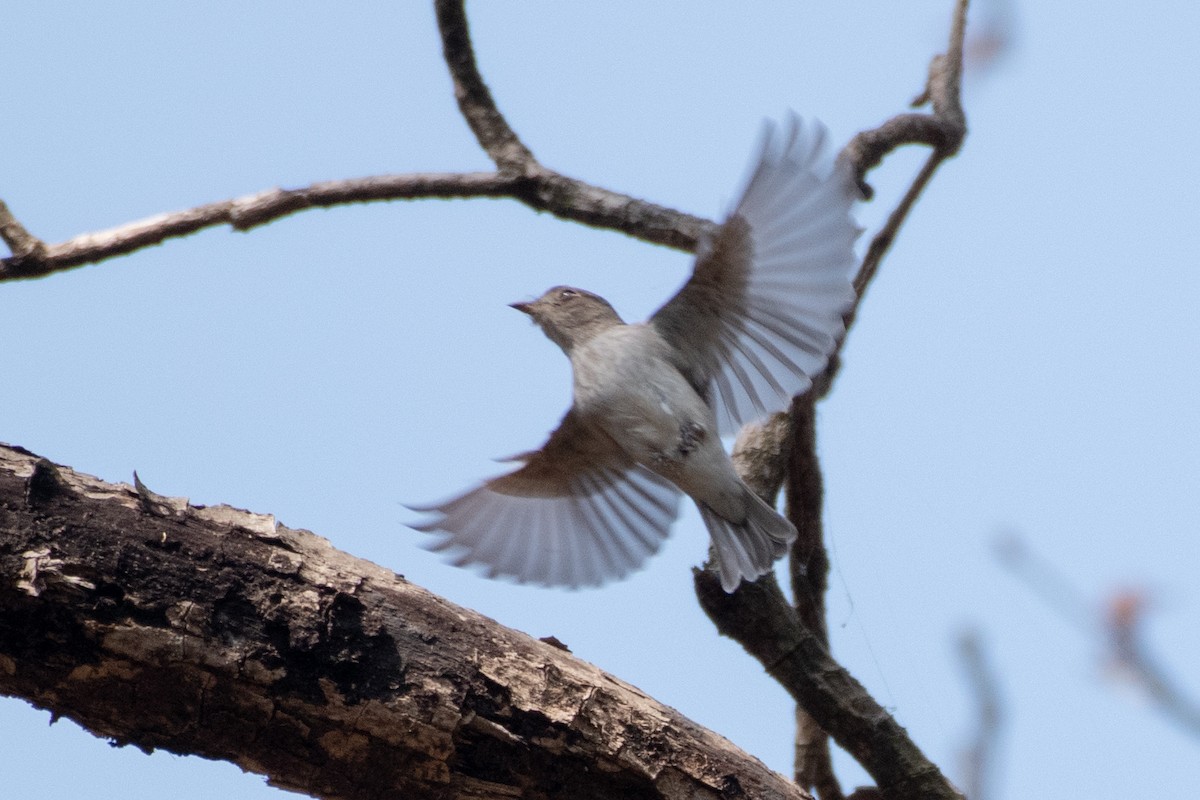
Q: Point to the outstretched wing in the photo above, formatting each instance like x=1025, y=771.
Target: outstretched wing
x=763, y=309
x=578, y=513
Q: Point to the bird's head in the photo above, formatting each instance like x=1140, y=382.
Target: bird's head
x=570, y=316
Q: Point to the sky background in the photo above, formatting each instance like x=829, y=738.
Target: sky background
x=1025, y=361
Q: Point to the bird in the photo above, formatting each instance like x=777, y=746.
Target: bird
x=757, y=320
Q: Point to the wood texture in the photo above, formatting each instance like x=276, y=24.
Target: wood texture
x=217, y=632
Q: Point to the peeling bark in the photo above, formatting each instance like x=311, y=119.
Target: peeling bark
x=217, y=632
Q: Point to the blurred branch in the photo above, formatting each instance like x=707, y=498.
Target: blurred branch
x=980, y=757
x=993, y=35
x=1119, y=628
x=1124, y=622
x=1047, y=581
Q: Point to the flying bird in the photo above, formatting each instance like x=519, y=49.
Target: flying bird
x=756, y=321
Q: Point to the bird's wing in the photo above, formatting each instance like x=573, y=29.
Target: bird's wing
x=763, y=309
x=578, y=513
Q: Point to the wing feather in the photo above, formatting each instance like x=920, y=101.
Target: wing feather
x=765, y=305
x=579, y=512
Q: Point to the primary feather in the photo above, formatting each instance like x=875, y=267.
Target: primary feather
x=772, y=287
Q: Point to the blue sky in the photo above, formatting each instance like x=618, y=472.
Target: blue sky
x=1025, y=361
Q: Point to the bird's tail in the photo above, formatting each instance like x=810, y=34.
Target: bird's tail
x=747, y=550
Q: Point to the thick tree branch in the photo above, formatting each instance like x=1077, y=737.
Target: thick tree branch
x=761, y=457
x=218, y=632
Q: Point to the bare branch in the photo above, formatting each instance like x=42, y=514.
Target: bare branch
x=1120, y=629
x=564, y=197
x=944, y=130
x=21, y=242
x=244, y=213
x=759, y=618
x=519, y=177
x=474, y=99
x=809, y=566
x=792, y=643
x=1125, y=616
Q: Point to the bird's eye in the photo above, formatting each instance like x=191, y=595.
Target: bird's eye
x=567, y=294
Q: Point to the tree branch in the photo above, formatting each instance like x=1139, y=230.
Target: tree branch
x=759, y=617
x=474, y=98
x=21, y=242
x=808, y=565
x=979, y=760
x=794, y=646
x=1120, y=627
x=944, y=131
x=217, y=632
x=520, y=177
x=564, y=197
x=244, y=213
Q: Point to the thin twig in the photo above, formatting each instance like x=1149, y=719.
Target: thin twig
x=944, y=130
x=1047, y=581
x=474, y=98
x=244, y=213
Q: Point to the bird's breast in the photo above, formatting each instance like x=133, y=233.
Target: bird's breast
x=626, y=383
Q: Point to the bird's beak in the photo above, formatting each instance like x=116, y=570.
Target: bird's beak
x=524, y=308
